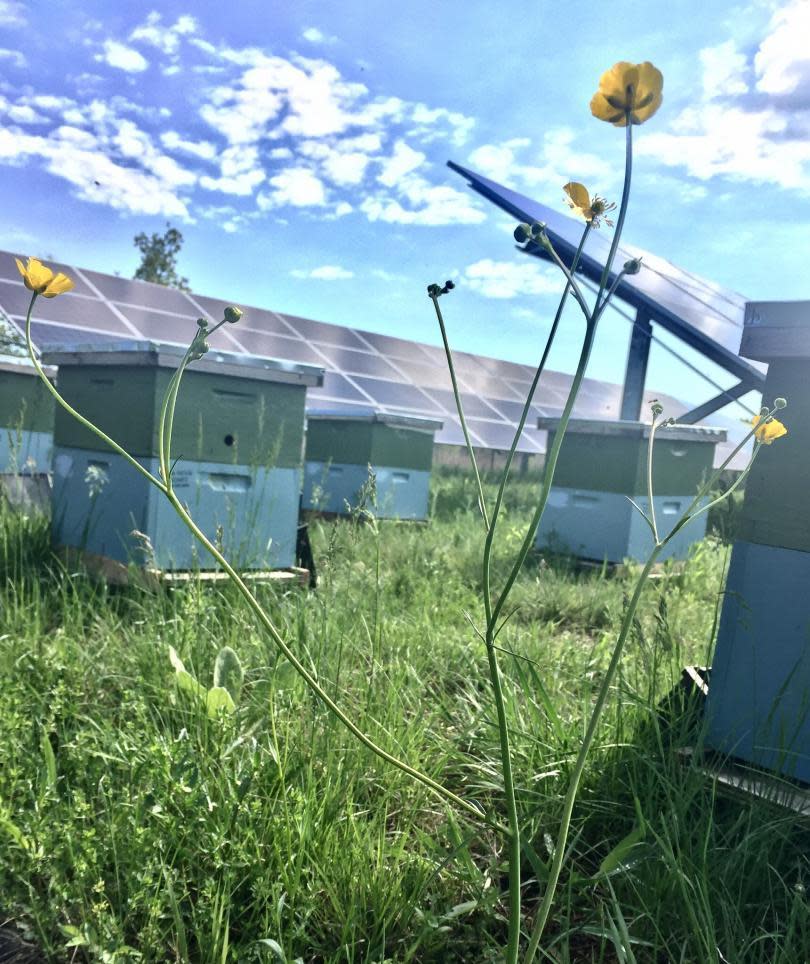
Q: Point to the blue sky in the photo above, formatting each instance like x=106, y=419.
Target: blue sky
x=301, y=150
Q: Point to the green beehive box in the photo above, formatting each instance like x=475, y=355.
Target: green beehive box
x=758, y=708
x=238, y=442
x=341, y=448
x=602, y=465
x=26, y=419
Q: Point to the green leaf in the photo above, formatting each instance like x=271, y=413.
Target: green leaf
x=218, y=698
x=50, y=760
x=187, y=683
x=175, y=660
x=618, y=857
x=228, y=672
x=275, y=947
x=11, y=828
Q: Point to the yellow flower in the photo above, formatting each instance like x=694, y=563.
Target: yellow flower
x=593, y=209
x=39, y=278
x=628, y=91
x=768, y=431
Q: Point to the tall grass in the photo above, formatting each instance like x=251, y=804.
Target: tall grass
x=133, y=827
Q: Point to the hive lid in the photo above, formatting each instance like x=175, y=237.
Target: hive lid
x=161, y=355
x=641, y=430
x=19, y=365
x=776, y=329
x=393, y=419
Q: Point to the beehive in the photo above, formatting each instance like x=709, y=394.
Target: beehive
x=26, y=419
x=238, y=439
x=342, y=449
x=601, y=466
x=759, y=694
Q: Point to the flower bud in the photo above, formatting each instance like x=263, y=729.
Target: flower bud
x=779, y=402
x=522, y=233
x=449, y=285
x=202, y=324
x=433, y=291
x=232, y=314
x=657, y=408
x=633, y=266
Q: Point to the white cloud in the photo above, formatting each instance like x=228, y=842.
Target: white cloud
x=402, y=162
x=427, y=204
x=724, y=69
x=326, y=272
x=316, y=36
x=122, y=57
x=25, y=114
x=202, y=149
x=507, y=279
x=14, y=57
x=95, y=176
x=759, y=136
x=295, y=186
x=166, y=39
x=241, y=184
x=555, y=162
x=12, y=14
x=783, y=60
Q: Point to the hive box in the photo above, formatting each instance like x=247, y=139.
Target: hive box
x=601, y=466
x=758, y=706
x=238, y=441
x=340, y=449
x=26, y=419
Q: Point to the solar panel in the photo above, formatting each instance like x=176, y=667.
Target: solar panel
x=365, y=371
x=701, y=313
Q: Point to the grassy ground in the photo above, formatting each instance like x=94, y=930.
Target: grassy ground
x=134, y=828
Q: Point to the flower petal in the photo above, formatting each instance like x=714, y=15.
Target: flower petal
x=578, y=194
x=58, y=285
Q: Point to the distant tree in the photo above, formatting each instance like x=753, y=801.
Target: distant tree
x=159, y=258
x=11, y=340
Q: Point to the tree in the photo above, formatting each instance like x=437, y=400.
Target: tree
x=159, y=258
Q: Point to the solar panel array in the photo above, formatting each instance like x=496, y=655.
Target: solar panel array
x=365, y=371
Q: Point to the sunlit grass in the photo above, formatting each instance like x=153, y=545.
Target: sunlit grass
x=136, y=828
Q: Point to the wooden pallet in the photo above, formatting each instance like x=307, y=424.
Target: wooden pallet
x=116, y=573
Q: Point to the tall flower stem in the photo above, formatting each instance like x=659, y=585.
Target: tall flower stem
x=582, y=756
x=434, y=297
x=167, y=414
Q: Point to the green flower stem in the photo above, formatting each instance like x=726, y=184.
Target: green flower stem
x=651, y=520
x=569, y=273
x=72, y=411
x=548, y=475
x=525, y=413
x=579, y=766
x=513, y=942
x=591, y=320
x=607, y=682
x=470, y=451
x=628, y=173
x=167, y=413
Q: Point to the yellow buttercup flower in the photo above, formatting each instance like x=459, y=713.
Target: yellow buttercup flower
x=38, y=277
x=593, y=209
x=628, y=92
x=768, y=431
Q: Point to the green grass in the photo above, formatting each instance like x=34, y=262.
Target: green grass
x=134, y=827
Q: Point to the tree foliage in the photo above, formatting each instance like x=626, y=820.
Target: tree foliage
x=159, y=258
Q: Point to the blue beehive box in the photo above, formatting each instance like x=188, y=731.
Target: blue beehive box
x=601, y=466
x=758, y=706
x=238, y=441
x=342, y=449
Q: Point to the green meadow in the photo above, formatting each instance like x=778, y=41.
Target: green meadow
x=134, y=826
